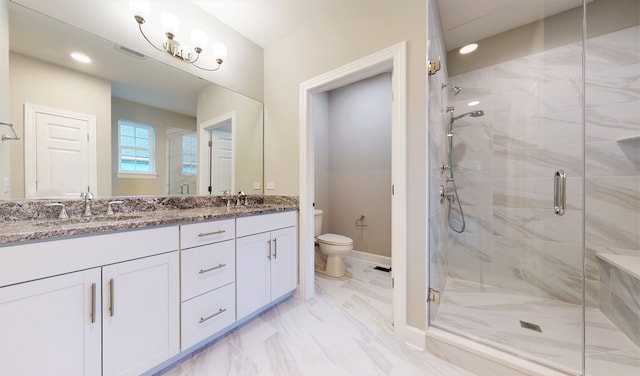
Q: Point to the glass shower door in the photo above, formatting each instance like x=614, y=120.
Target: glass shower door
x=508, y=267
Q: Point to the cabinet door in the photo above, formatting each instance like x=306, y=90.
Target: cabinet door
x=252, y=273
x=53, y=325
x=284, y=261
x=140, y=314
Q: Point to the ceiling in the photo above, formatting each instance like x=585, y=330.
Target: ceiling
x=266, y=21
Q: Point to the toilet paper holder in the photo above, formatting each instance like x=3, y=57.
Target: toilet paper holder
x=360, y=222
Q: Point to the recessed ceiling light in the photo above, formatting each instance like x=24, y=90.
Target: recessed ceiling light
x=469, y=48
x=79, y=56
x=473, y=103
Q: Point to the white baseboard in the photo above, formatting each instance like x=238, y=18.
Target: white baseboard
x=415, y=337
x=370, y=257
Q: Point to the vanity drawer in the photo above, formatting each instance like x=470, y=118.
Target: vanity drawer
x=196, y=234
x=207, y=267
x=207, y=314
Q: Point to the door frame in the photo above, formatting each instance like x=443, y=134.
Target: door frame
x=30, y=148
x=203, y=155
x=392, y=59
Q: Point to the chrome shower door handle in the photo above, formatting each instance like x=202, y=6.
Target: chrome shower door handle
x=559, y=192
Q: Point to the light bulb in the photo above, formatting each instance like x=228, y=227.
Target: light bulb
x=140, y=8
x=219, y=51
x=469, y=48
x=80, y=57
x=199, y=38
x=170, y=23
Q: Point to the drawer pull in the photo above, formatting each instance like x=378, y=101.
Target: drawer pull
x=203, y=319
x=211, y=233
x=202, y=271
x=112, y=308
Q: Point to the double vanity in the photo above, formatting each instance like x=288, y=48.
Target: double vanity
x=127, y=293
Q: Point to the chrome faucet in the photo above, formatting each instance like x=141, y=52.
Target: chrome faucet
x=88, y=196
x=242, y=199
x=227, y=195
x=63, y=210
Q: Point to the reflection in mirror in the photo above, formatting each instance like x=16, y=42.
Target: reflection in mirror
x=119, y=84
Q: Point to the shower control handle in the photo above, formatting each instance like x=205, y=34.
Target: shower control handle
x=559, y=192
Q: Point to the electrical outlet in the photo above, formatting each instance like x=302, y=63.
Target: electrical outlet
x=256, y=185
x=271, y=185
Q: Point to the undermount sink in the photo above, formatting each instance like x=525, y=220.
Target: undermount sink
x=92, y=219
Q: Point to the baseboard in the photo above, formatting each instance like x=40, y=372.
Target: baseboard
x=370, y=257
x=415, y=337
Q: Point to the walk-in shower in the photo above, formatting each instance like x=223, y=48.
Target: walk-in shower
x=509, y=273
x=450, y=191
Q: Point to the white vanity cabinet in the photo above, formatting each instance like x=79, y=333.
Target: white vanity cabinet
x=95, y=305
x=266, y=260
x=208, y=275
x=52, y=324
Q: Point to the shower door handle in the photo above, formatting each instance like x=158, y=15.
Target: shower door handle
x=559, y=192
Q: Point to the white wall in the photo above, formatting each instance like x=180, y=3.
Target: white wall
x=327, y=42
x=360, y=163
x=5, y=162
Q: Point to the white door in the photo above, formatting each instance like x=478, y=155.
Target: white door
x=141, y=323
x=284, y=261
x=221, y=162
x=60, y=153
x=253, y=273
x=53, y=325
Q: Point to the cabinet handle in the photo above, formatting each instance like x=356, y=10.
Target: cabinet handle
x=269, y=254
x=112, y=308
x=203, y=319
x=275, y=248
x=211, y=233
x=93, y=303
x=202, y=271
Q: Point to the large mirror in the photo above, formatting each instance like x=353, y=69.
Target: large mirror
x=152, y=128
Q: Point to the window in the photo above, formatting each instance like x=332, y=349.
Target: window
x=189, y=149
x=136, y=148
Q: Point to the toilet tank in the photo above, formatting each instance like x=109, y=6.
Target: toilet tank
x=317, y=222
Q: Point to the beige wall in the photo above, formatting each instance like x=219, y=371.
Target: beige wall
x=5, y=163
x=326, y=43
x=38, y=82
x=215, y=101
x=161, y=120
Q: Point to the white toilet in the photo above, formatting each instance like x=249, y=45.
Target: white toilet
x=332, y=247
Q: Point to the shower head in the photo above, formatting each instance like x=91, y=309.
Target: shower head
x=456, y=89
x=472, y=114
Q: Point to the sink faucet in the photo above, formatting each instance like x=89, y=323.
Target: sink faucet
x=88, y=196
x=227, y=195
x=242, y=199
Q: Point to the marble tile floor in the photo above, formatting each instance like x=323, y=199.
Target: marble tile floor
x=492, y=316
x=345, y=330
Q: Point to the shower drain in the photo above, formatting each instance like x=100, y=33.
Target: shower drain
x=530, y=326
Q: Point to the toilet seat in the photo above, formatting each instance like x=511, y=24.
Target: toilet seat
x=334, y=239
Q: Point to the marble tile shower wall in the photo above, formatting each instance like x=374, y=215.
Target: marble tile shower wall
x=506, y=161
x=436, y=153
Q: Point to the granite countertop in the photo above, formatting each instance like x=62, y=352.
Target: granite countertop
x=135, y=213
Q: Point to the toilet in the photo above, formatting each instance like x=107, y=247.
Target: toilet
x=332, y=248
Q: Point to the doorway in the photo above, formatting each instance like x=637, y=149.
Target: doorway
x=216, y=155
x=392, y=59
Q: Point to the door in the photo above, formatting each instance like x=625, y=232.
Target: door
x=181, y=162
x=284, y=261
x=253, y=287
x=221, y=162
x=506, y=146
x=54, y=326
x=141, y=314
x=61, y=162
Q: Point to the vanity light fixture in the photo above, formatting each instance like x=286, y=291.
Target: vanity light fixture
x=469, y=48
x=5, y=137
x=171, y=24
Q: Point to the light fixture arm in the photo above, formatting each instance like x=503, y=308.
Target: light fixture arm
x=7, y=137
x=219, y=61
x=140, y=21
